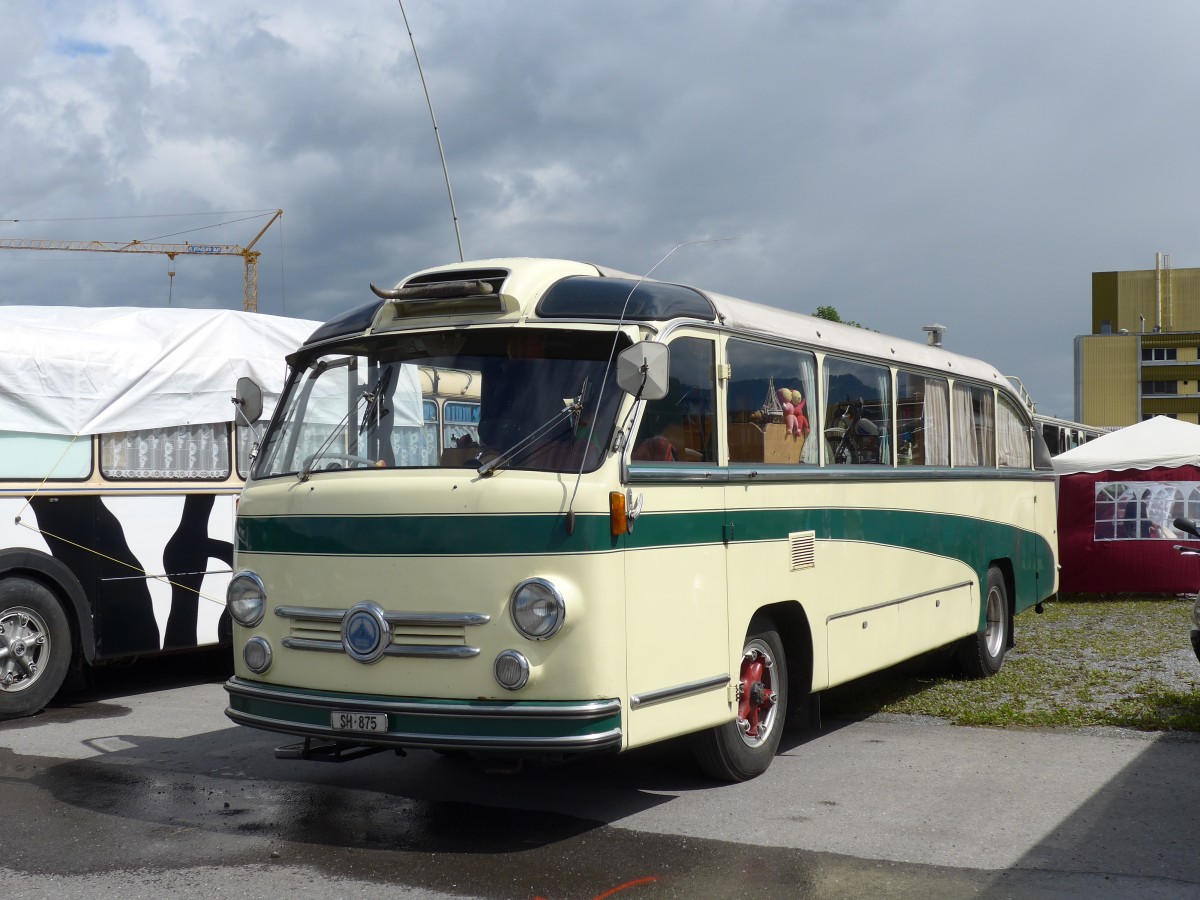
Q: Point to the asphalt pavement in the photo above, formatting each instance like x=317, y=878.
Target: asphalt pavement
x=144, y=788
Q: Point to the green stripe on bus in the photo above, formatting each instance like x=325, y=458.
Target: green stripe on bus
x=975, y=541
x=422, y=535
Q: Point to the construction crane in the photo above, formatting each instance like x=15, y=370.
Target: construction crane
x=247, y=253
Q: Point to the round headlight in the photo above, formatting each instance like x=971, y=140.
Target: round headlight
x=511, y=670
x=257, y=654
x=538, y=609
x=246, y=598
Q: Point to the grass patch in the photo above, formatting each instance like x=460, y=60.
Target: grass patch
x=1086, y=661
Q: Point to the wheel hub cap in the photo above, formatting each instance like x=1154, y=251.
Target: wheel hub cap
x=23, y=643
x=756, y=698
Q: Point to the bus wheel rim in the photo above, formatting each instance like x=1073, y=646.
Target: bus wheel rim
x=994, y=636
x=24, y=648
x=756, y=715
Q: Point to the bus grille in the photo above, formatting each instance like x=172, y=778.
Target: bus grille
x=413, y=635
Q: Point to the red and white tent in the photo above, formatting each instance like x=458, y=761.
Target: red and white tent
x=1118, y=497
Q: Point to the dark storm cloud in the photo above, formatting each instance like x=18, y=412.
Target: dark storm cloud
x=906, y=162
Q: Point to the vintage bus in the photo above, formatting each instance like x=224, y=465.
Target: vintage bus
x=680, y=513
x=1062, y=435
x=120, y=461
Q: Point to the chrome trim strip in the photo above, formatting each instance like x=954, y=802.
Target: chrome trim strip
x=686, y=473
x=602, y=740
x=409, y=651
x=311, y=613
x=294, y=643
x=436, y=619
x=392, y=618
x=783, y=474
x=417, y=651
x=588, y=709
x=897, y=601
x=662, y=695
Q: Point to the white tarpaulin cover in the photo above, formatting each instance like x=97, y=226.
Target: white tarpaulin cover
x=1154, y=443
x=86, y=370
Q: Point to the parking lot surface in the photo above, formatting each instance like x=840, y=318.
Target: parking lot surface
x=133, y=792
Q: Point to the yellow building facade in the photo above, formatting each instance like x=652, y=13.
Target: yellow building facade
x=1141, y=358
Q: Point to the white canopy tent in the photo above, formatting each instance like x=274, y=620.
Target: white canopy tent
x=1155, y=443
x=88, y=370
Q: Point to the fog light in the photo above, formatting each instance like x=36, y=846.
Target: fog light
x=257, y=655
x=511, y=670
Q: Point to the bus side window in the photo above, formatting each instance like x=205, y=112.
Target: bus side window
x=858, y=412
x=1012, y=436
x=974, y=426
x=922, y=420
x=770, y=389
x=681, y=426
x=178, y=452
x=25, y=455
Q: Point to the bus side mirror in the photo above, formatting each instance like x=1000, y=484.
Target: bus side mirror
x=643, y=370
x=248, y=400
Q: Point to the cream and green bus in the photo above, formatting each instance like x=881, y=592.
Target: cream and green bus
x=674, y=513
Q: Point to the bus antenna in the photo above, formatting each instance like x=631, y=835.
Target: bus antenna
x=608, y=365
x=436, y=133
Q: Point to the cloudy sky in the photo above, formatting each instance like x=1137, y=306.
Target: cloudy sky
x=969, y=163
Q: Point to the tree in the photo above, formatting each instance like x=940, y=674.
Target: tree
x=830, y=314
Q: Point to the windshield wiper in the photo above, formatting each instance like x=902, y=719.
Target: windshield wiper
x=571, y=410
x=374, y=399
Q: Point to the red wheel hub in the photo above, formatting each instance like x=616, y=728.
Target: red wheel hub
x=755, y=696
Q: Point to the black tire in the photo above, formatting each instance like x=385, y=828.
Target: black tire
x=981, y=655
x=741, y=749
x=35, y=647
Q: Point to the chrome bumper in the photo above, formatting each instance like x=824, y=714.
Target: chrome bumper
x=521, y=728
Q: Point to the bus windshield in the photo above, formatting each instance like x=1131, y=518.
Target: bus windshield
x=518, y=398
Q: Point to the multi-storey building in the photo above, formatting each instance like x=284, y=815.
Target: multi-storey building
x=1141, y=358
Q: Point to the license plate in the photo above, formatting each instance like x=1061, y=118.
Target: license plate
x=356, y=721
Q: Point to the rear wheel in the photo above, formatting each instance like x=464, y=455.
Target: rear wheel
x=981, y=655
x=741, y=749
x=35, y=647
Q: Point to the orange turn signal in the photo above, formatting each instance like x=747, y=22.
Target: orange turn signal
x=618, y=522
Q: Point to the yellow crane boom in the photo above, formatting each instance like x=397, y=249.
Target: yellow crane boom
x=247, y=253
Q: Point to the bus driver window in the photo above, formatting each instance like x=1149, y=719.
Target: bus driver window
x=681, y=426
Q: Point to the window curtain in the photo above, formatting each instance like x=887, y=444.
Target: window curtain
x=808, y=377
x=883, y=384
x=189, y=452
x=966, y=450
x=415, y=446
x=1012, y=437
x=987, y=426
x=937, y=422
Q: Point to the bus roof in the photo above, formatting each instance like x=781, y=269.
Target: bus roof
x=74, y=370
x=520, y=285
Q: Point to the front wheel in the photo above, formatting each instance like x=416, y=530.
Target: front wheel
x=741, y=749
x=35, y=647
x=981, y=655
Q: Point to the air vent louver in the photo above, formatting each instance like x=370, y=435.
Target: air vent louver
x=803, y=546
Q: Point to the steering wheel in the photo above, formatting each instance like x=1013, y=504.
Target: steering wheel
x=348, y=458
